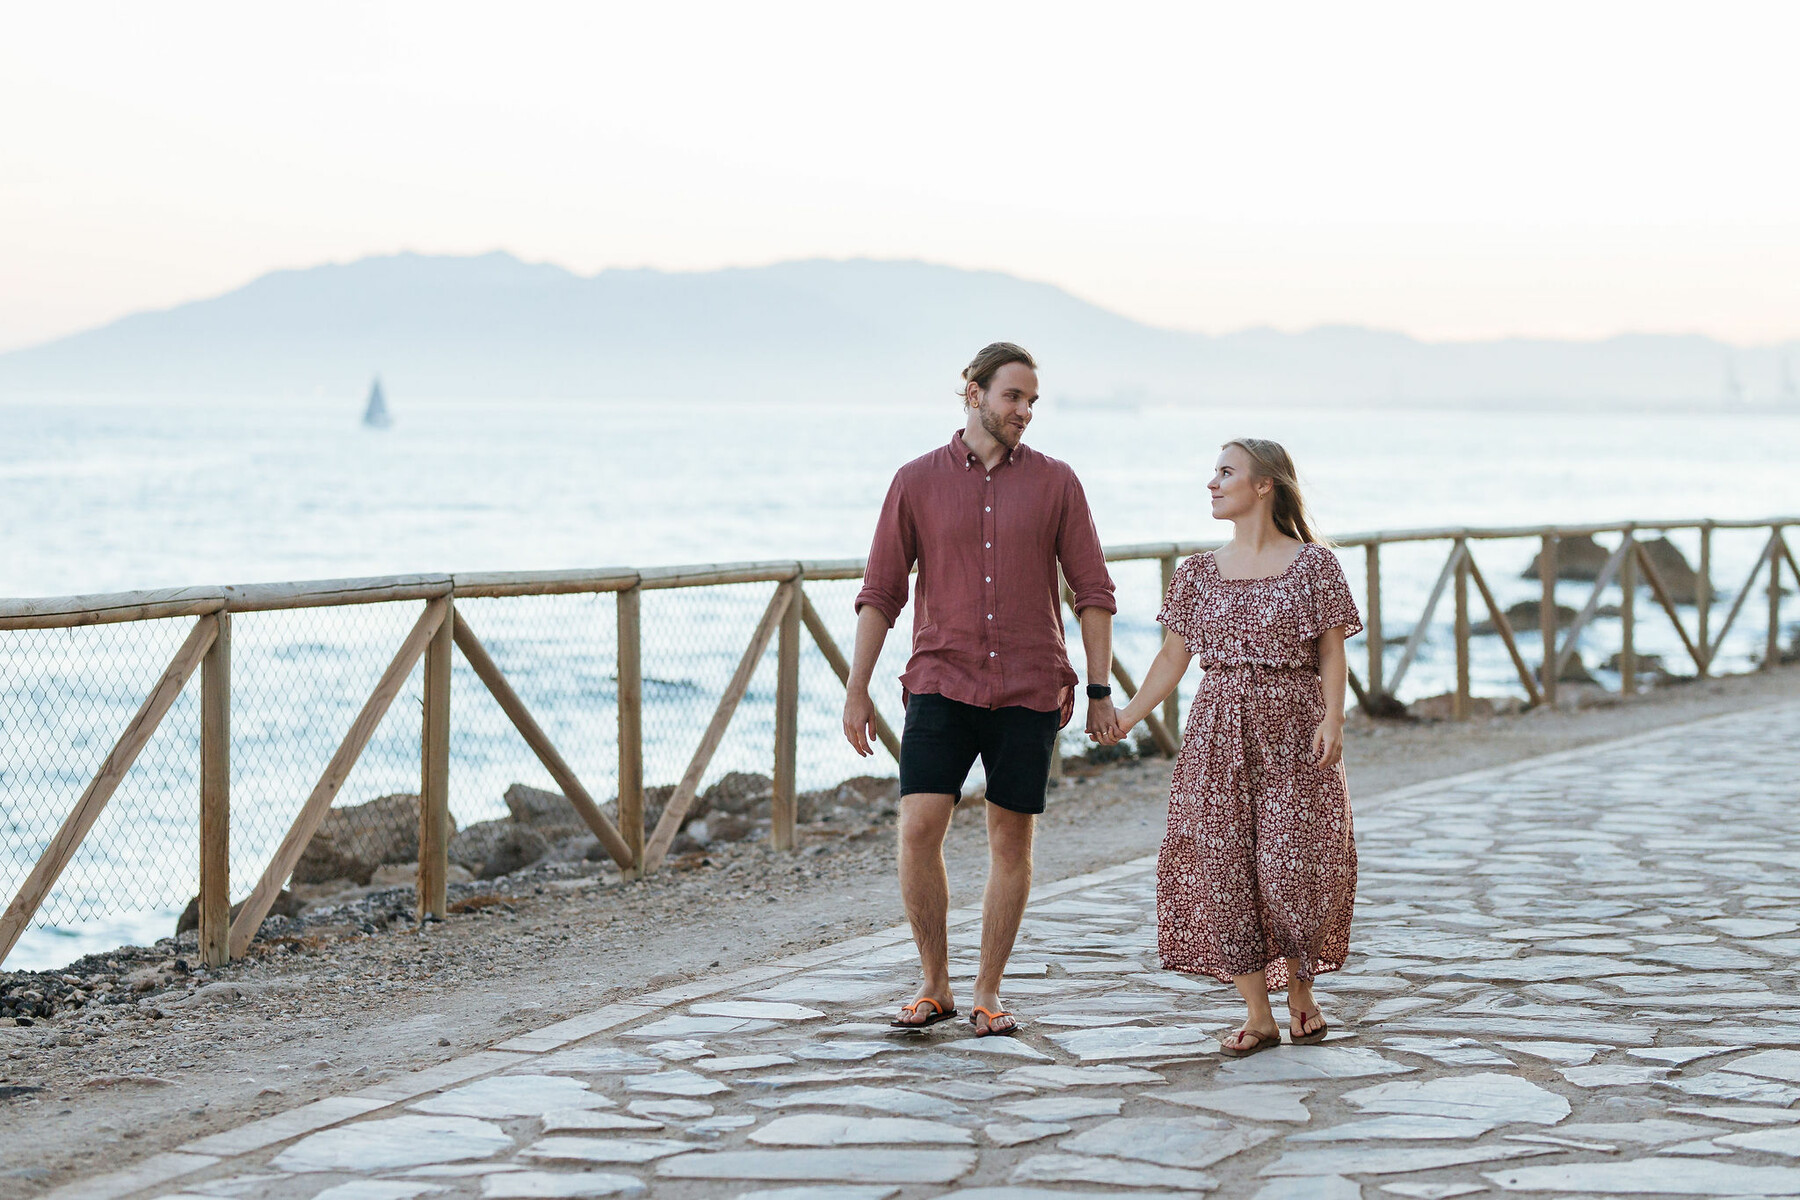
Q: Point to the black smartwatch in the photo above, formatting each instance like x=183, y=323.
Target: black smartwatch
x=1098, y=691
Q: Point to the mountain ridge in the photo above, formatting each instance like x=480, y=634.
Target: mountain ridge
x=493, y=325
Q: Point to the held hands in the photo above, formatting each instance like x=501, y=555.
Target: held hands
x=1328, y=740
x=1108, y=726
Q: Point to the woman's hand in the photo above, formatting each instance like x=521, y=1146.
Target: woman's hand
x=1328, y=740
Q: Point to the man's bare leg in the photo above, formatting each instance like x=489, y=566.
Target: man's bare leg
x=1002, y=906
x=925, y=891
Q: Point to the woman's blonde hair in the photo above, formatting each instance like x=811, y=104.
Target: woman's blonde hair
x=1272, y=462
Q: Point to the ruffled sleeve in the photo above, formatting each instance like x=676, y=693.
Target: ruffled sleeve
x=1180, y=612
x=1328, y=603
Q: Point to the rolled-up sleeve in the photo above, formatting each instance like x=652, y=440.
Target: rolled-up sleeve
x=891, y=557
x=1078, y=550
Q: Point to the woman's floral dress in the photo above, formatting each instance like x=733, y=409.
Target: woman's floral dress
x=1259, y=862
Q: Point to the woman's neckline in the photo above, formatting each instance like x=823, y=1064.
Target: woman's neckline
x=1212, y=558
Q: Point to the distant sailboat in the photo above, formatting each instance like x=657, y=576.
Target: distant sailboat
x=376, y=416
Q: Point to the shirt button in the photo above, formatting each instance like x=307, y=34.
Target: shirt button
x=990, y=616
x=989, y=508
x=990, y=579
x=992, y=654
x=988, y=545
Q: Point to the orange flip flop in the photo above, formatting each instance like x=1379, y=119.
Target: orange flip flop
x=990, y=1014
x=938, y=1013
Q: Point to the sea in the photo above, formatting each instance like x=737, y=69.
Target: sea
x=112, y=496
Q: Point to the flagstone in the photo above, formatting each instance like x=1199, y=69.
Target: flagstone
x=1191, y=1142
x=765, y=1010
x=1062, y=1108
x=743, y=1062
x=1399, y=1127
x=1454, y=1052
x=593, y=1060
x=840, y=1076
x=1114, y=1173
x=1310, y=1062
x=1613, y=1075
x=585, y=1120
x=1726, y=1085
x=676, y=1082
x=998, y=1045
x=1320, y=1187
x=531, y=1185
x=1783, y=1139
x=670, y=1108
x=1003, y=1133
x=500, y=1096
x=867, y=1165
x=1649, y=1131
x=1433, y=1191
x=1117, y=1044
x=890, y=1099
x=1744, y=1114
x=1681, y=1055
x=603, y=1150
x=1652, y=1176
x=832, y=1129
x=1033, y=1193
x=1538, y=968
x=971, y=1089
x=833, y=1192
x=682, y=1026
x=843, y=1051
x=1706, y=958
x=1572, y=1054
x=1391, y=1160
x=1770, y=1064
x=1545, y=1139
x=356, y=1189
x=1701, y=1148
x=681, y=1050
x=393, y=1143
x=723, y=1123
x=826, y=989
x=1057, y=1076
x=1254, y=1101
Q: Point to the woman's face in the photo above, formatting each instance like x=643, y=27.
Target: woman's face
x=1234, y=484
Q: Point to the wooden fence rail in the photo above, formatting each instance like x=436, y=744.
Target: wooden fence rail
x=440, y=629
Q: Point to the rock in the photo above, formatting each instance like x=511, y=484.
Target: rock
x=286, y=905
x=499, y=847
x=1647, y=664
x=655, y=798
x=1578, y=557
x=1575, y=671
x=1523, y=616
x=550, y=813
x=581, y=847
x=351, y=842
x=391, y=875
x=1681, y=580
x=728, y=827
x=738, y=793
x=1437, y=708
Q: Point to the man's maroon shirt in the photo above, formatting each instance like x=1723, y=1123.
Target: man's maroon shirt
x=987, y=628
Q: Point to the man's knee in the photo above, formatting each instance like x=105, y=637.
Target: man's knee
x=1009, y=834
x=924, y=820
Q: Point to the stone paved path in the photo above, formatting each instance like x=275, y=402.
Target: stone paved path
x=1574, y=976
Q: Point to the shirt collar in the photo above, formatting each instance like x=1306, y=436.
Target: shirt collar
x=966, y=458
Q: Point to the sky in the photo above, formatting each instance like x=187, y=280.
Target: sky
x=1454, y=171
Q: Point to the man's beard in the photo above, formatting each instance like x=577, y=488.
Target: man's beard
x=999, y=430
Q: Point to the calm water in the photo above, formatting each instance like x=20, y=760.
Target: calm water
x=100, y=498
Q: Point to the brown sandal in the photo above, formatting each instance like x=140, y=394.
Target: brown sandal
x=1299, y=1022
x=1264, y=1041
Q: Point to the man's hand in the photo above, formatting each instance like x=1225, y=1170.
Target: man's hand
x=859, y=721
x=1328, y=740
x=1102, y=721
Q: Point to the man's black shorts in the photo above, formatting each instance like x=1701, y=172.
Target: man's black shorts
x=943, y=737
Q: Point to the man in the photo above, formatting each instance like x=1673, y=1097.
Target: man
x=986, y=521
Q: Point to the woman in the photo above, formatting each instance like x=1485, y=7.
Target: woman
x=1257, y=873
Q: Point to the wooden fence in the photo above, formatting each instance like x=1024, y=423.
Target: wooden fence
x=636, y=850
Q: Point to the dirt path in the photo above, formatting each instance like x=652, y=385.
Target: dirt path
x=111, y=1084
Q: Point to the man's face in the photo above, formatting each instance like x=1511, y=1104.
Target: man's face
x=1004, y=406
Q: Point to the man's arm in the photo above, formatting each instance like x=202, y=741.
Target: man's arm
x=1096, y=639
x=859, y=709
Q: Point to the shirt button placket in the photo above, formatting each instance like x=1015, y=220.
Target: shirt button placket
x=988, y=529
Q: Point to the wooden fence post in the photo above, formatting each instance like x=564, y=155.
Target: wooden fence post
x=1171, y=706
x=1772, y=653
x=1628, y=624
x=787, y=724
x=1459, y=702
x=1703, y=597
x=631, y=724
x=432, y=885
x=1372, y=621
x=215, y=798
x=1547, y=614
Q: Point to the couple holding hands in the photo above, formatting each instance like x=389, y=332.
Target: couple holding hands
x=1257, y=872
